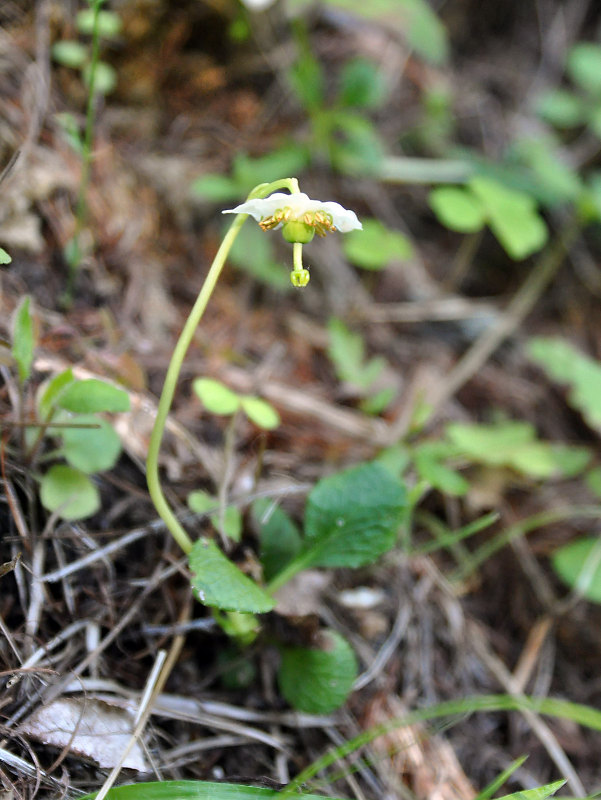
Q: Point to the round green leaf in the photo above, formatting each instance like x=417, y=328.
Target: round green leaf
x=584, y=66
x=578, y=564
x=70, y=54
x=105, y=77
x=91, y=396
x=375, y=246
x=260, y=412
x=216, y=397
x=318, y=681
x=69, y=492
x=91, y=449
x=109, y=23
x=457, y=209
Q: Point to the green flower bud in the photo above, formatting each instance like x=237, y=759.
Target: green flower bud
x=298, y=232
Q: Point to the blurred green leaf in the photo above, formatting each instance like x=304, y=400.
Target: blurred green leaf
x=512, y=217
x=69, y=492
x=23, y=343
x=4, y=257
x=91, y=449
x=216, y=397
x=50, y=391
x=216, y=188
x=307, y=80
x=362, y=84
x=564, y=363
x=105, y=77
x=584, y=66
x=578, y=564
x=375, y=246
x=109, y=23
x=202, y=502
x=260, y=412
x=317, y=681
x=70, y=54
x=91, y=396
x=457, y=209
x=561, y=108
x=195, y=790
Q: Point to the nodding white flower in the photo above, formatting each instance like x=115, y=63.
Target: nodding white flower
x=299, y=217
x=258, y=5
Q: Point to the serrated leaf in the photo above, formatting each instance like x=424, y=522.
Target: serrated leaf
x=92, y=396
x=457, y=209
x=23, y=339
x=216, y=397
x=353, y=517
x=69, y=492
x=512, y=217
x=91, y=449
x=219, y=583
x=584, y=66
x=564, y=363
x=578, y=564
x=375, y=246
x=317, y=681
x=70, y=54
x=279, y=538
x=260, y=412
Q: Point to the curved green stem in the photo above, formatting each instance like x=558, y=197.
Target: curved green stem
x=179, y=353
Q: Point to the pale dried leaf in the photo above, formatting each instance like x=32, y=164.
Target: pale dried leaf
x=88, y=727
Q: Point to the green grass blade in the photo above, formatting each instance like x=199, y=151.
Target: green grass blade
x=193, y=790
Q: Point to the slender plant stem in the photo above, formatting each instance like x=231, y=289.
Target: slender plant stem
x=179, y=353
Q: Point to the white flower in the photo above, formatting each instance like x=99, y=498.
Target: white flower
x=298, y=215
x=258, y=5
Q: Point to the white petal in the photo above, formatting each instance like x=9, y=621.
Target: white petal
x=258, y=5
x=344, y=220
x=259, y=209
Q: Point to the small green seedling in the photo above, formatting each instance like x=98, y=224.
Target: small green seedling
x=67, y=412
x=346, y=350
x=219, y=399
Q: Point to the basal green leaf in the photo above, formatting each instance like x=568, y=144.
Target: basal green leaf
x=512, y=217
x=578, y=564
x=457, y=209
x=69, y=492
x=280, y=540
x=92, y=396
x=353, y=517
x=220, y=584
x=23, y=338
x=362, y=84
x=260, y=412
x=91, y=449
x=216, y=397
x=318, y=681
x=440, y=476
